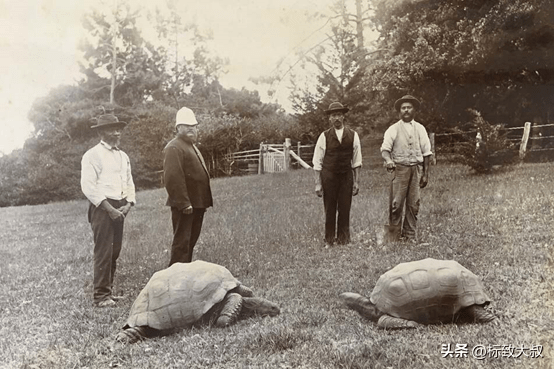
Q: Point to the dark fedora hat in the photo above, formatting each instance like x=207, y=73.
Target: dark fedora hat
x=336, y=107
x=407, y=98
x=108, y=120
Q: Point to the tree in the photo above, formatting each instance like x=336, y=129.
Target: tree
x=338, y=65
x=493, y=56
x=139, y=87
x=119, y=62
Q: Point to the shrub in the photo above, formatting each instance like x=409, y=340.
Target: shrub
x=489, y=148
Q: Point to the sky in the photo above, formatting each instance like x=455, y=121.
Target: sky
x=39, y=38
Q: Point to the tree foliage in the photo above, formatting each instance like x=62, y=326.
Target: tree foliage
x=491, y=56
x=339, y=65
x=152, y=81
x=494, y=56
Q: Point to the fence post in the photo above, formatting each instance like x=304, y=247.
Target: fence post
x=298, y=149
x=524, y=139
x=286, y=151
x=261, y=159
x=433, y=156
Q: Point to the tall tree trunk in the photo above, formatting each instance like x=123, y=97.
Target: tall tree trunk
x=114, y=53
x=359, y=25
x=114, y=66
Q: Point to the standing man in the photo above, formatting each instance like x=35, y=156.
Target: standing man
x=187, y=184
x=406, y=149
x=337, y=161
x=107, y=183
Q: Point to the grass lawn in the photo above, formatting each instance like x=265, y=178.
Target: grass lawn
x=268, y=231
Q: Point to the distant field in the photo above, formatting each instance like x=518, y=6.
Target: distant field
x=267, y=230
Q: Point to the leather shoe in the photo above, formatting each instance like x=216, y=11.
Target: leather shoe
x=106, y=303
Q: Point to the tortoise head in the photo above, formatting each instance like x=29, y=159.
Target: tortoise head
x=259, y=306
x=362, y=305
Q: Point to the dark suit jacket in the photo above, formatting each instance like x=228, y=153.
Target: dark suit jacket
x=186, y=178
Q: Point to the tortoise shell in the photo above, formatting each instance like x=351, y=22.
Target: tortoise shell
x=428, y=291
x=180, y=295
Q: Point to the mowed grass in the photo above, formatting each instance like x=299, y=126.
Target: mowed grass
x=268, y=231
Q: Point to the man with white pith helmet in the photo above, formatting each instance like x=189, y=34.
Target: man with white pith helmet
x=187, y=183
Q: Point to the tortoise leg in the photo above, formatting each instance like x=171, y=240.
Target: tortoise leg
x=479, y=314
x=390, y=322
x=132, y=335
x=232, y=305
x=243, y=291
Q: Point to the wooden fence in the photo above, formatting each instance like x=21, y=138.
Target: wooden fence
x=532, y=138
x=270, y=158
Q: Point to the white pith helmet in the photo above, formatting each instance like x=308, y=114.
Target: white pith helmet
x=185, y=116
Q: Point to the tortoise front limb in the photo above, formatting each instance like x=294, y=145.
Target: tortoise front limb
x=132, y=335
x=243, y=291
x=390, y=322
x=229, y=314
x=479, y=314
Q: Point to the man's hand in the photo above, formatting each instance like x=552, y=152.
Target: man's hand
x=423, y=181
x=390, y=166
x=187, y=210
x=116, y=214
x=125, y=209
x=113, y=213
x=355, y=189
x=318, y=190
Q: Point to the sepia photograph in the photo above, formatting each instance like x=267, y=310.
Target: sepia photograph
x=277, y=184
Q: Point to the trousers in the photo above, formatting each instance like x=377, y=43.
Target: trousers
x=108, y=238
x=404, y=198
x=186, y=230
x=337, y=201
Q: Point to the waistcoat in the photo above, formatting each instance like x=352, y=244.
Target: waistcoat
x=338, y=155
x=406, y=149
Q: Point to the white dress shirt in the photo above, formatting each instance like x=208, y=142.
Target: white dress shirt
x=106, y=173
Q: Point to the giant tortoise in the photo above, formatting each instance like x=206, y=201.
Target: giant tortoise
x=185, y=293
x=423, y=292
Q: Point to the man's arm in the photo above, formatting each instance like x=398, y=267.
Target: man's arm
x=389, y=164
x=89, y=177
x=356, y=164
x=425, y=175
x=318, y=188
x=174, y=180
x=319, y=153
x=356, y=185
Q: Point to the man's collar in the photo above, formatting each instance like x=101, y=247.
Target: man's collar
x=410, y=122
x=338, y=129
x=108, y=146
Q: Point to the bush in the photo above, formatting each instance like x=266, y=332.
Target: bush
x=489, y=148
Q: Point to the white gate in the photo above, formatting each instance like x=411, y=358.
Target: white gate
x=273, y=162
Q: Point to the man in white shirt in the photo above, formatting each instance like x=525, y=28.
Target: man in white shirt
x=337, y=161
x=107, y=183
x=406, y=149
